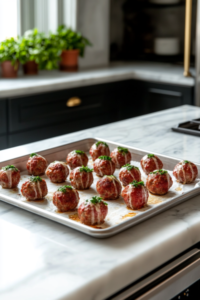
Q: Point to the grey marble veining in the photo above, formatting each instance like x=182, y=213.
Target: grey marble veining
x=48, y=81
x=40, y=259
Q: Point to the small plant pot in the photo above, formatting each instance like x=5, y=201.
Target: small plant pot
x=8, y=70
x=30, y=68
x=69, y=60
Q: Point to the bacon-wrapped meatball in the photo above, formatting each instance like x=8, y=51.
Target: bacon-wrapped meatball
x=185, y=172
x=81, y=178
x=9, y=177
x=99, y=149
x=76, y=159
x=120, y=156
x=104, y=166
x=93, y=211
x=109, y=187
x=57, y=171
x=34, y=189
x=135, y=195
x=66, y=198
x=150, y=163
x=128, y=173
x=159, y=182
x=36, y=164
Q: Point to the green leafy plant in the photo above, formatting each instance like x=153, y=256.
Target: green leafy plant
x=161, y=172
x=104, y=157
x=130, y=167
x=136, y=183
x=71, y=40
x=10, y=167
x=122, y=150
x=10, y=51
x=35, y=179
x=99, y=143
x=31, y=46
x=96, y=200
x=50, y=53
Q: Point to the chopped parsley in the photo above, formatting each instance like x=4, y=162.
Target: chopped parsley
x=186, y=162
x=85, y=169
x=79, y=152
x=104, y=157
x=130, y=167
x=122, y=150
x=150, y=155
x=161, y=172
x=10, y=167
x=96, y=200
x=63, y=188
x=33, y=154
x=35, y=179
x=136, y=183
x=103, y=143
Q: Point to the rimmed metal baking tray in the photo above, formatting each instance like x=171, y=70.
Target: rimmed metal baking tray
x=60, y=153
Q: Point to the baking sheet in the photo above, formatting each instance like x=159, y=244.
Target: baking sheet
x=119, y=216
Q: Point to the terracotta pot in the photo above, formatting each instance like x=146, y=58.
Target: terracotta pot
x=30, y=68
x=8, y=70
x=69, y=60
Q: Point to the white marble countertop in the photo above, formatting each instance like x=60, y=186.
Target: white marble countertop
x=56, y=80
x=40, y=259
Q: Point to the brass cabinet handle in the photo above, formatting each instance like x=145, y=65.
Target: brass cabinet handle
x=74, y=101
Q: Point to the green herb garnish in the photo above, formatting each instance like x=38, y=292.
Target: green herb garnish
x=96, y=200
x=186, y=162
x=130, y=167
x=150, y=155
x=79, y=152
x=161, y=172
x=33, y=154
x=136, y=183
x=63, y=188
x=122, y=150
x=35, y=179
x=104, y=157
x=85, y=169
x=10, y=167
x=98, y=143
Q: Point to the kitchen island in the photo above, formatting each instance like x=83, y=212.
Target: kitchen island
x=40, y=259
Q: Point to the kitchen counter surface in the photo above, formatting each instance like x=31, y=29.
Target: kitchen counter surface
x=40, y=259
x=56, y=80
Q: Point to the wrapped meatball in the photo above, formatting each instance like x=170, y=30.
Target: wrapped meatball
x=109, y=187
x=99, y=149
x=66, y=198
x=9, y=177
x=81, y=178
x=76, y=159
x=36, y=164
x=104, y=166
x=185, y=172
x=120, y=156
x=150, y=163
x=57, y=171
x=135, y=195
x=34, y=189
x=93, y=211
x=128, y=173
x=159, y=182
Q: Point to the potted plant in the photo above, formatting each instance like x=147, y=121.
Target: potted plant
x=38, y=51
x=9, y=57
x=50, y=53
x=72, y=45
x=30, y=51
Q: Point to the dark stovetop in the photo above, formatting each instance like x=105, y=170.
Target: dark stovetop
x=191, y=127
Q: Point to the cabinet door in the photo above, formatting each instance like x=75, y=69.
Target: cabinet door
x=33, y=135
x=3, y=142
x=158, y=96
x=3, y=117
x=54, y=108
